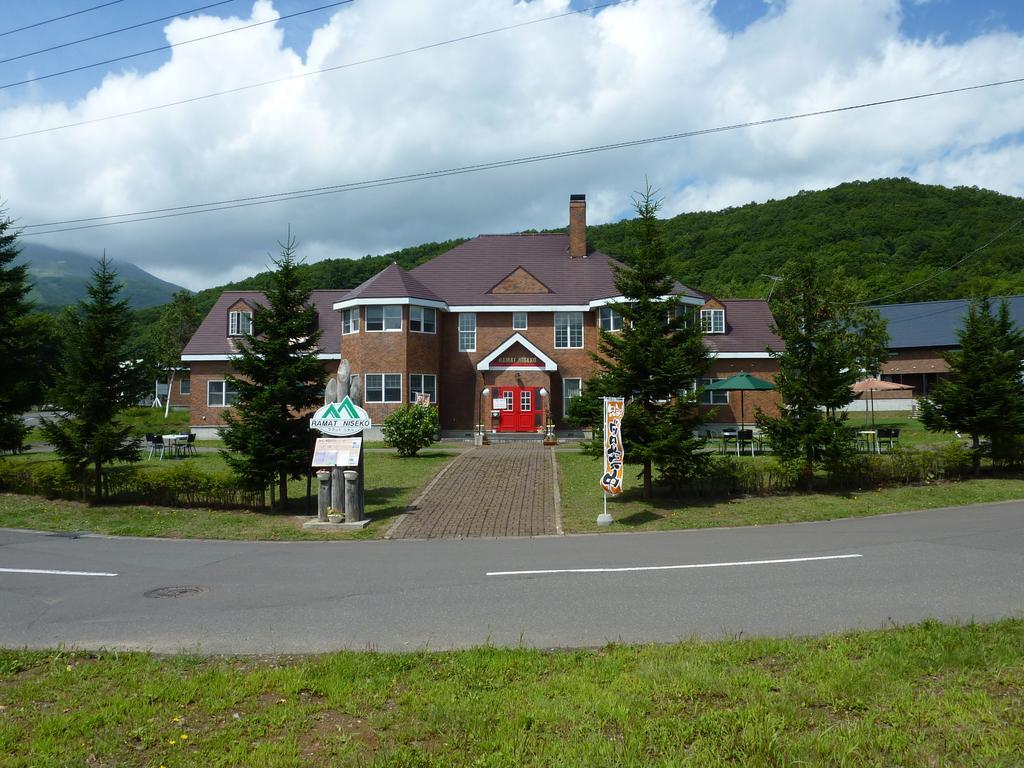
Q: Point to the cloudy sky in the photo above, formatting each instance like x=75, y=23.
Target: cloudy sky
x=638, y=69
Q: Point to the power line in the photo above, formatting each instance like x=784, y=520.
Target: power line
x=942, y=271
x=113, y=32
x=59, y=18
x=169, y=46
x=242, y=202
x=300, y=75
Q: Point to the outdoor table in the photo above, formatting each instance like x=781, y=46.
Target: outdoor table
x=870, y=438
x=175, y=442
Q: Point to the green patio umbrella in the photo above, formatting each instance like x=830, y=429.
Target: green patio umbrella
x=741, y=382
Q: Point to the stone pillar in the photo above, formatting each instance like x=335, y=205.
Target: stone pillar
x=323, y=498
x=353, y=509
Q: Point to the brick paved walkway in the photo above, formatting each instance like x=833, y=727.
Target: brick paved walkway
x=495, y=490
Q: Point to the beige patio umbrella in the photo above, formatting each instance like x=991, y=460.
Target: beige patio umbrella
x=876, y=385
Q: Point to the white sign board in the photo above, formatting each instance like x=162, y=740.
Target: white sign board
x=337, y=451
x=340, y=419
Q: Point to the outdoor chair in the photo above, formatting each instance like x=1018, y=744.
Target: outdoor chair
x=728, y=438
x=190, y=445
x=888, y=436
x=745, y=437
x=156, y=442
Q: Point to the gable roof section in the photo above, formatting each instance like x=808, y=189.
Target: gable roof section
x=211, y=340
x=519, y=280
x=748, y=329
x=934, y=323
x=517, y=338
x=465, y=275
x=392, y=282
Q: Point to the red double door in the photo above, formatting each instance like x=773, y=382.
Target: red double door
x=518, y=408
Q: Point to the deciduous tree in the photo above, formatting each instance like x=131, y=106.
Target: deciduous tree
x=178, y=321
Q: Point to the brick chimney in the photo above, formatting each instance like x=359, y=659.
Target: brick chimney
x=577, y=226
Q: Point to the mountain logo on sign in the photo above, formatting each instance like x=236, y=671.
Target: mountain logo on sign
x=340, y=419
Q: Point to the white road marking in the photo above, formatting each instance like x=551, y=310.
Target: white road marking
x=670, y=567
x=54, y=573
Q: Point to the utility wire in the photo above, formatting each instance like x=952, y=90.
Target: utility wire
x=169, y=46
x=334, y=68
x=242, y=202
x=114, y=31
x=952, y=266
x=59, y=18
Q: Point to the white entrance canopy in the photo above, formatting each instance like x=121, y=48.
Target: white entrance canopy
x=517, y=338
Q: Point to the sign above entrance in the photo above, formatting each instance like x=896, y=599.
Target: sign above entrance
x=340, y=419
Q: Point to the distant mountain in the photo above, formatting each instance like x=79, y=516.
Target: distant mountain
x=59, y=278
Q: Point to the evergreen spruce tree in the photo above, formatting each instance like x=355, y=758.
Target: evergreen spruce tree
x=95, y=382
x=653, y=362
x=17, y=374
x=831, y=343
x=984, y=397
x=279, y=380
x=178, y=321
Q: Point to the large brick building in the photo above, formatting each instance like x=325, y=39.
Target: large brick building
x=497, y=331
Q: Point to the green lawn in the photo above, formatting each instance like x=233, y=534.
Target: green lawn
x=582, y=500
x=928, y=695
x=391, y=484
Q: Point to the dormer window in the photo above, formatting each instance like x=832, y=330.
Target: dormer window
x=239, y=323
x=713, y=320
x=386, y=317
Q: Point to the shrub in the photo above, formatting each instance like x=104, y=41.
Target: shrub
x=410, y=428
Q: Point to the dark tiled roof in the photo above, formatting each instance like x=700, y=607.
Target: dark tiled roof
x=465, y=275
x=212, y=338
x=392, y=282
x=748, y=324
x=934, y=323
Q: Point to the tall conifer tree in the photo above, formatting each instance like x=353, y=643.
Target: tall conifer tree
x=984, y=396
x=279, y=380
x=831, y=343
x=17, y=373
x=654, y=360
x=96, y=381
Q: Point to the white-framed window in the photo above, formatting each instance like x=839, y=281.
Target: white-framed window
x=239, y=323
x=609, y=320
x=422, y=319
x=386, y=317
x=570, y=388
x=520, y=321
x=712, y=320
x=525, y=401
x=713, y=396
x=467, y=332
x=185, y=385
x=350, y=320
x=568, y=330
x=220, y=394
x=383, y=388
x=422, y=382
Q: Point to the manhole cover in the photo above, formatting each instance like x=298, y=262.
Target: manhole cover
x=175, y=591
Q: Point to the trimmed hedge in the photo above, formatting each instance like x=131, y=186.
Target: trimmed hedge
x=178, y=485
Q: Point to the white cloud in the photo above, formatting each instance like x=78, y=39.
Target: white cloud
x=647, y=68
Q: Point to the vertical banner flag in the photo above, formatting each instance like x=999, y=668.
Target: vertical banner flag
x=611, y=481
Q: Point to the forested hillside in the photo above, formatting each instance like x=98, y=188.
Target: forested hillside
x=885, y=235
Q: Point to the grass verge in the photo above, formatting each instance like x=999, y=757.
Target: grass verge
x=925, y=695
x=391, y=484
x=581, y=502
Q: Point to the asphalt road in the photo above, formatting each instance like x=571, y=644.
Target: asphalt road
x=965, y=563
